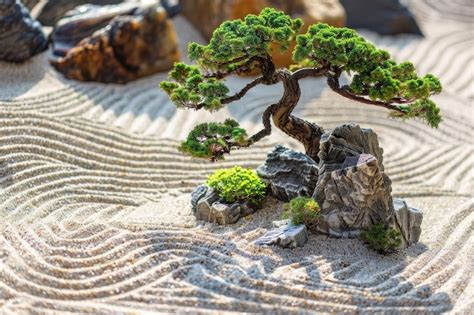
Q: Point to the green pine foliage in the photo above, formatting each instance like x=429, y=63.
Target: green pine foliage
x=211, y=140
x=240, y=45
x=233, y=43
x=381, y=239
x=190, y=88
x=373, y=73
x=302, y=210
x=238, y=184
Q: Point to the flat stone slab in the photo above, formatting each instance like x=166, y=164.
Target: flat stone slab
x=287, y=236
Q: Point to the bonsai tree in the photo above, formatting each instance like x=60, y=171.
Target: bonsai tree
x=244, y=46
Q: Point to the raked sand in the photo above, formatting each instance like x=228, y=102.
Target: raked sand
x=94, y=197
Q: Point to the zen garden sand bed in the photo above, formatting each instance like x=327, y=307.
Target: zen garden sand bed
x=95, y=204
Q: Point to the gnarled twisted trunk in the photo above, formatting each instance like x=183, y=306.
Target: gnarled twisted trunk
x=309, y=134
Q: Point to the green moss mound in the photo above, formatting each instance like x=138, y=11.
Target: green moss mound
x=238, y=184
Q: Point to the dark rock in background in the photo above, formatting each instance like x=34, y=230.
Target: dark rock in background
x=21, y=37
x=55, y=9
x=288, y=173
x=130, y=47
x=386, y=17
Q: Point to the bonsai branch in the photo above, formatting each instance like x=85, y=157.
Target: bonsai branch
x=245, y=89
x=333, y=82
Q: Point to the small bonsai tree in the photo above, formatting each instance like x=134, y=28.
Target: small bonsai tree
x=302, y=210
x=238, y=184
x=243, y=46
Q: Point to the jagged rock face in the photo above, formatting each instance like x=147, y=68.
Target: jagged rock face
x=349, y=140
x=130, y=47
x=214, y=12
x=408, y=221
x=352, y=195
x=287, y=236
x=209, y=207
x=21, y=37
x=288, y=173
x=352, y=190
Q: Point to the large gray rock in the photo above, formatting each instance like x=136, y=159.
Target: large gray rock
x=287, y=236
x=288, y=173
x=408, y=221
x=352, y=189
x=208, y=206
x=352, y=196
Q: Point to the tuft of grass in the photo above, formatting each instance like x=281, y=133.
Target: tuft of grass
x=381, y=238
x=302, y=210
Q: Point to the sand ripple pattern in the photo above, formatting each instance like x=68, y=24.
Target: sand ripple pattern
x=94, y=198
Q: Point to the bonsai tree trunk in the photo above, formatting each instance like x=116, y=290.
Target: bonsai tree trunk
x=309, y=134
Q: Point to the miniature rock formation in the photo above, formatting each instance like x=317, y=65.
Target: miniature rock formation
x=352, y=191
x=132, y=46
x=408, y=221
x=287, y=236
x=289, y=174
x=208, y=206
x=21, y=37
x=352, y=195
x=214, y=12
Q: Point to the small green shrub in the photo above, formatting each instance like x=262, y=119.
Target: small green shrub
x=238, y=184
x=380, y=238
x=302, y=210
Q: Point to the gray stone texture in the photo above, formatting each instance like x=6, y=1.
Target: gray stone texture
x=287, y=236
x=408, y=221
x=208, y=206
x=352, y=190
x=288, y=173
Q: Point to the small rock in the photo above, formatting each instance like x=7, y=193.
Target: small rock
x=288, y=173
x=21, y=37
x=203, y=205
x=408, y=221
x=223, y=213
x=287, y=236
x=210, y=207
x=280, y=223
x=198, y=193
x=129, y=47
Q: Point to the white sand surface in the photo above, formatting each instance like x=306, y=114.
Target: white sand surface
x=94, y=196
